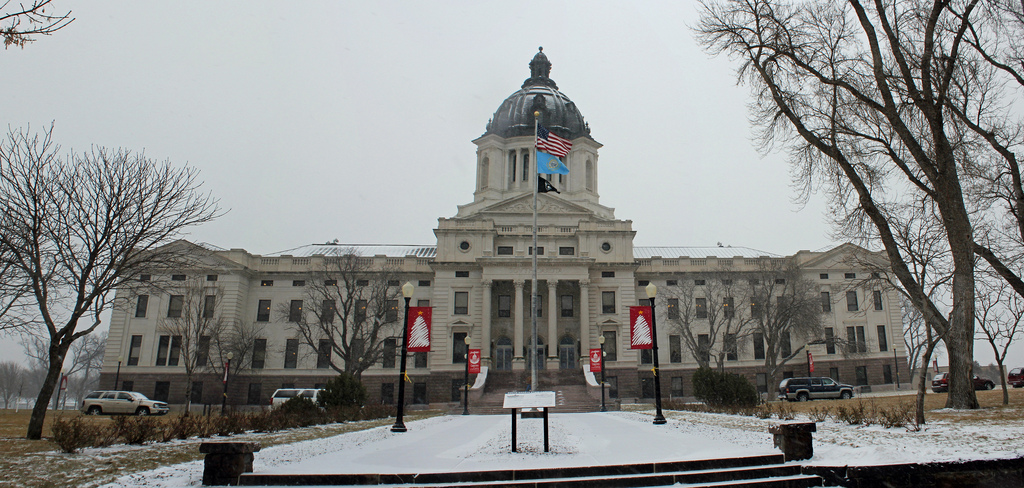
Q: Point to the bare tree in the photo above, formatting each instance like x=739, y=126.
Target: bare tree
x=709, y=315
x=862, y=94
x=79, y=228
x=783, y=307
x=354, y=309
x=12, y=379
x=1000, y=322
x=191, y=324
x=19, y=22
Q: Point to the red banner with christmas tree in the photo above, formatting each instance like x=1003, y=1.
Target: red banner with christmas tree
x=640, y=328
x=419, y=329
x=474, y=361
x=595, y=360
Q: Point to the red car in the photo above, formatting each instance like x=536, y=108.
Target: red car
x=940, y=383
x=1016, y=377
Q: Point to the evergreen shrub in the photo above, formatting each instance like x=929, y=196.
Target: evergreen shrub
x=343, y=390
x=724, y=389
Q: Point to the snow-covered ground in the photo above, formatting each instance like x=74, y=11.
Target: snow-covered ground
x=472, y=443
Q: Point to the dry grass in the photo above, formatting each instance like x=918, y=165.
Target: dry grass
x=991, y=402
x=41, y=464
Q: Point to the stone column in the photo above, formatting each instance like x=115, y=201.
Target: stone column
x=585, y=316
x=485, y=323
x=553, y=320
x=517, y=320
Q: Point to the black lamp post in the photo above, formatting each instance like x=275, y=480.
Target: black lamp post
x=117, y=376
x=399, y=426
x=600, y=340
x=465, y=401
x=227, y=371
x=658, y=417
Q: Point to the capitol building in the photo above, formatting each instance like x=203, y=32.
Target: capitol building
x=291, y=319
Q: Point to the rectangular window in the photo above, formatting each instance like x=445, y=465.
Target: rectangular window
x=291, y=353
x=323, y=354
x=161, y=391
x=673, y=308
x=459, y=348
x=328, y=310
x=567, y=251
x=823, y=276
x=850, y=276
x=461, y=303
x=728, y=308
x=197, y=391
x=643, y=282
x=851, y=301
x=671, y=282
x=298, y=282
x=419, y=360
x=394, y=282
x=611, y=347
x=423, y=283
x=360, y=311
x=145, y=277
x=362, y=282
x=457, y=389
x=387, y=393
x=263, y=311
x=266, y=282
x=833, y=373
x=161, y=350
x=675, y=349
x=567, y=309
x=830, y=341
x=876, y=296
x=134, y=349
x=761, y=381
x=330, y=282
x=613, y=386
x=646, y=387
x=462, y=274
x=862, y=343
x=786, y=345
x=758, y=345
x=540, y=251
x=391, y=313
x=174, y=306
x=826, y=301
x=211, y=277
x=175, y=352
x=422, y=302
x=607, y=302
x=704, y=347
x=607, y=274
x=862, y=375
x=504, y=250
x=701, y=307
x=390, y=351
x=539, y=301
x=677, y=387
x=141, y=305
x=209, y=306
x=887, y=374
x=255, y=396
x=646, y=357
x=127, y=385
x=731, y=353
x=203, y=351
x=851, y=339
x=699, y=282
x=419, y=393
x=178, y=277
x=259, y=353
x=883, y=341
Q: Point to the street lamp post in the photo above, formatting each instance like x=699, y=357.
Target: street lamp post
x=465, y=401
x=600, y=340
x=227, y=371
x=117, y=376
x=658, y=417
x=407, y=290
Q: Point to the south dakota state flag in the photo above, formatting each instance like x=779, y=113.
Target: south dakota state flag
x=548, y=164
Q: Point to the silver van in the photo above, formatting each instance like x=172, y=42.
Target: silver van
x=284, y=394
x=124, y=402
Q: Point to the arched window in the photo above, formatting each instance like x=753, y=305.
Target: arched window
x=512, y=166
x=485, y=165
x=590, y=175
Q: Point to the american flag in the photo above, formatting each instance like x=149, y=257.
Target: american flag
x=552, y=144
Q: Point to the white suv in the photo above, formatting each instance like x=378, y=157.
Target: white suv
x=285, y=394
x=130, y=402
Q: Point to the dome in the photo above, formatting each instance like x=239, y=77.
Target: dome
x=539, y=93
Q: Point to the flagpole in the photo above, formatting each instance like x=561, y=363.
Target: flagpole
x=533, y=286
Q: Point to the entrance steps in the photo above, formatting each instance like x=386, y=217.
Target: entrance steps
x=570, y=389
x=742, y=472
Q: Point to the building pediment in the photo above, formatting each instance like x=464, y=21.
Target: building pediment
x=845, y=256
x=545, y=205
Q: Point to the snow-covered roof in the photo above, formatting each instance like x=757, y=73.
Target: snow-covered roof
x=333, y=249
x=644, y=252
x=394, y=250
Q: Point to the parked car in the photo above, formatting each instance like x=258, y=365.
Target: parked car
x=940, y=383
x=1016, y=377
x=284, y=394
x=803, y=389
x=121, y=402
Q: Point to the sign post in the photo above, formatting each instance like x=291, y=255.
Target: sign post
x=516, y=400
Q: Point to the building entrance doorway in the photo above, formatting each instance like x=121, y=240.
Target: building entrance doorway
x=503, y=355
x=567, y=353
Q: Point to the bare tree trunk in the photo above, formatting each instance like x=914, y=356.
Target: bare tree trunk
x=56, y=363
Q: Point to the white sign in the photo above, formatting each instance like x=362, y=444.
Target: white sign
x=529, y=399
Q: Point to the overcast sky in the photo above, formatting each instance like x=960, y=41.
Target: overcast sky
x=350, y=120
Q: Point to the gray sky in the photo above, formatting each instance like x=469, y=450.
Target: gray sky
x=353, y=120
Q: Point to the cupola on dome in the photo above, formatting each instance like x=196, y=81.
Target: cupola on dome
x=539, y=93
